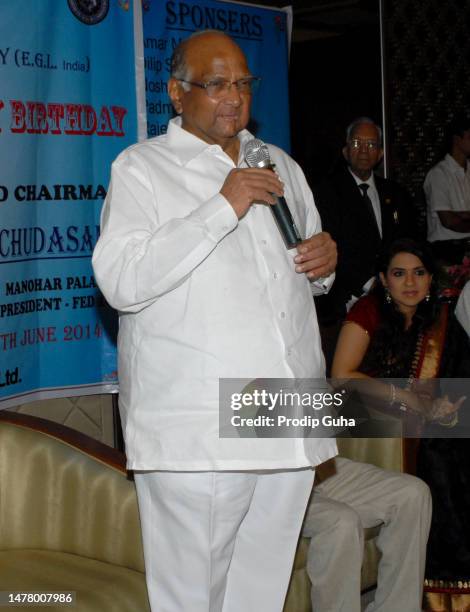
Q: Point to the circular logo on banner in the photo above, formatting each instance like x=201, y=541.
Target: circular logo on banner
x=89, y=12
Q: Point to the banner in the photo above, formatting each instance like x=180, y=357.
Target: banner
x=67, y=108
x=261, y=32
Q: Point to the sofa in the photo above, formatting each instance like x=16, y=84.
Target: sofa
x=69, y=519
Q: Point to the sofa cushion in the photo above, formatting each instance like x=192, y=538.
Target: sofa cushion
x=99, y=586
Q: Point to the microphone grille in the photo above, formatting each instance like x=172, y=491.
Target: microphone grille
x=257, y=154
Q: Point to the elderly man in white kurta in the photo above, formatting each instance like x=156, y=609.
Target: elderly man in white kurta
x=191, y=258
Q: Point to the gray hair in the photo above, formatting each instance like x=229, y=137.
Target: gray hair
x=179, y=66
x=352, y=126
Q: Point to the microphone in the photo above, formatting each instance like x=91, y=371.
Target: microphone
x=257, y=156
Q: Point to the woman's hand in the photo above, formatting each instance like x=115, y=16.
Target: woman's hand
x=442, y=409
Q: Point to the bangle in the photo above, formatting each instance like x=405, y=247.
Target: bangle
x=393, y=399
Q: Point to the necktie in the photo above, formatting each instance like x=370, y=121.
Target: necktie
x=368, y=203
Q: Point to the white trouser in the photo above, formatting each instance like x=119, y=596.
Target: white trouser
x=360, y=495
x=220, y=541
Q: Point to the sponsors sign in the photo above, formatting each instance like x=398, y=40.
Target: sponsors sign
x=67, y=108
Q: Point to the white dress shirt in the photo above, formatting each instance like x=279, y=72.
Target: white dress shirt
x=447, y=187
x=202, y=296
x=462, y=309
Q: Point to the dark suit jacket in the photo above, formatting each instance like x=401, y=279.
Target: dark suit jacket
x=344, y=216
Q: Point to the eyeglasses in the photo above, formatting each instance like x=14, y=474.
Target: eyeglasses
x=357, y=143
x=218, y=88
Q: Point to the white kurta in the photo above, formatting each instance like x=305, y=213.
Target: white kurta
x=202, y=296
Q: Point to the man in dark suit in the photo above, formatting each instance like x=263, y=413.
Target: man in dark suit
x=362, y=212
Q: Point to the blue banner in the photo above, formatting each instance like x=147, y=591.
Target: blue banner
x=67, y=108
x=261, y=32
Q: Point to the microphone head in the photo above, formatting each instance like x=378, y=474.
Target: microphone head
x=257, y=154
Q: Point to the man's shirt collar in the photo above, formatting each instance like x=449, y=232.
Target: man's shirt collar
x=455, y=167
x=187, y=146
x=370, y=181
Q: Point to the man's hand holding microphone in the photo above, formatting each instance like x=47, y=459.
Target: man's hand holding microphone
x=317, y=255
